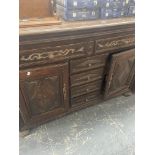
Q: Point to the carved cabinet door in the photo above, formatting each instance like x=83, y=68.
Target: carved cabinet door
x=121, y=73
x=43, y=93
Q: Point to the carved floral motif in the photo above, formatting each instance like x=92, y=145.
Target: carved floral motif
x=57, y=52
x=116, y=43
x=51, y=54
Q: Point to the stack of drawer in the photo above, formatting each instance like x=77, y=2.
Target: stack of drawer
x=86, y=79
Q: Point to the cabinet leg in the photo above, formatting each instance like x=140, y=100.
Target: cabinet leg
x=127, y=94
x=24, y=133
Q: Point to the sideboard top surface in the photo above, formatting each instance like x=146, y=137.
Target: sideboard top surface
x=73, y=26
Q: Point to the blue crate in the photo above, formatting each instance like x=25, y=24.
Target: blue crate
x=131, y=11
x=106, y=13
x=113, y=4
x=131, y=2
x=113, y=13
x=77, y=14
x=79, y=4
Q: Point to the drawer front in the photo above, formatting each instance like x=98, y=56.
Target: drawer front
x=84, y=89
x=85, y=99
x=58, y=53
x=103, y=45
x=86, y=77
x=88, y=63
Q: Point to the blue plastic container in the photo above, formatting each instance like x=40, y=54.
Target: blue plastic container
x=131, y=11
x=79, y=4
x=77, y=14
x=106, y=13
x=131, y=2
x=113, y=13
x=113, y=3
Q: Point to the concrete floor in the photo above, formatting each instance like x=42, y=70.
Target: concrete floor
x=103, y=129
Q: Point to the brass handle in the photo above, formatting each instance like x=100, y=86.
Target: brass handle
x=65, y=92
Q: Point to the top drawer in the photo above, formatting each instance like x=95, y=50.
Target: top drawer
x=88, y=63
x=103, y=45
x=57, y=53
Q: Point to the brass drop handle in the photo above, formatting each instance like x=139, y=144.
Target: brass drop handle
x=64, y=92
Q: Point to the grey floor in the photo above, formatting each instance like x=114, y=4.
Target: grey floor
x=103, y=129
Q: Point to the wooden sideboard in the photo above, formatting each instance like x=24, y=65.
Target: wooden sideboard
x=71, y=66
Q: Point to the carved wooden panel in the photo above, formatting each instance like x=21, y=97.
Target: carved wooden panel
x=58, y=53
x=87, y=88
x=88, y=63
x=103, y=45
x=120, y=74
x=42, y=92
x=45, y=91
x=86, y=77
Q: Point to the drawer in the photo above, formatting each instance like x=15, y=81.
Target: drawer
x=85, y=99
x=88, y=63
x=103, y=45
x=56, y=53
x=86, y=77
x=87, y=88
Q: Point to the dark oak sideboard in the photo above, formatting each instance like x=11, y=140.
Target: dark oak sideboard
x=72, y=66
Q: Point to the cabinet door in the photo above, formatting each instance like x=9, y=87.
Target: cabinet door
x=43, y=93
x=121, y=73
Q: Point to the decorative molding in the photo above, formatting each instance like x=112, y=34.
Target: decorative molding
x=115, y=43
x=51, y=55
x=56, y=53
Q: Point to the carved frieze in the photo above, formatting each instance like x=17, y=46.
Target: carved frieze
x=114, y=43
x=56, y=53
